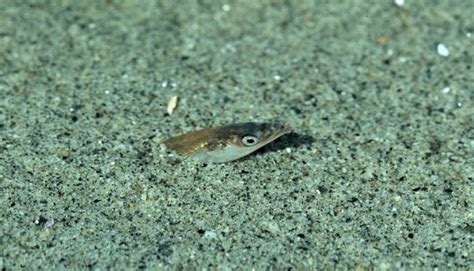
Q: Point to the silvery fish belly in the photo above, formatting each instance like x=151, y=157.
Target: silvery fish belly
x=226, y=143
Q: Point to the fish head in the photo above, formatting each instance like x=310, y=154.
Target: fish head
x=238, y=140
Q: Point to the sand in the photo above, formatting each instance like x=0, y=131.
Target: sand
x=377, y=174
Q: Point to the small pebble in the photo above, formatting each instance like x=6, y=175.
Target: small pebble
x=399, y=2
x=172, y=105
x=45, y=222
x=442, y=50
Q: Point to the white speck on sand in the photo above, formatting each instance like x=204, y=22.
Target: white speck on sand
x=399, y=2
x=172, y=105
x=442, y=50
x=446, y=90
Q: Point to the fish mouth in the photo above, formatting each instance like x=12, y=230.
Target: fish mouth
x=278, y=132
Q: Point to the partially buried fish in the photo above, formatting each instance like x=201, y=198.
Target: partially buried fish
x=226, y=143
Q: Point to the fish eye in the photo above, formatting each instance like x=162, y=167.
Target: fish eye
x=249, y=140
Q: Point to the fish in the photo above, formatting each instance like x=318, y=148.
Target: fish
x=226, y=143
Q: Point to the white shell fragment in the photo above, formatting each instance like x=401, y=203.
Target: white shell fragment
x=446, y=90
x=442, y=50
x=399, y=2
x=172, y=105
